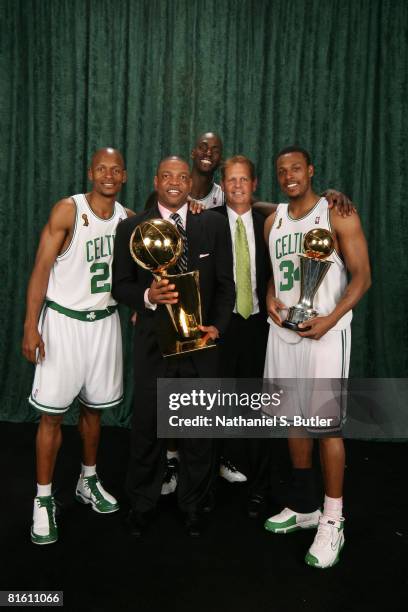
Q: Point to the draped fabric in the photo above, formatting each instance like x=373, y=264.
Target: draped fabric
x=147, y=76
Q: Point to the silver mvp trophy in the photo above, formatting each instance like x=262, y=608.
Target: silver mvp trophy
x=318, y=244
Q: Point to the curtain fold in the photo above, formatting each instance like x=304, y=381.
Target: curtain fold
x=147, y=76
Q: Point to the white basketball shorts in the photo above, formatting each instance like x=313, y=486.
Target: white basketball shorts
x=82, y=359
x=311, y=374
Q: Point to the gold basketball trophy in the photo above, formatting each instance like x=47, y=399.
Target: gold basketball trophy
x=318, y=244
x=156, y=245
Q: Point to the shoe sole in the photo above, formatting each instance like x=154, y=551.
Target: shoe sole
x=85, y=500
x=234, y=481
x=323, y=567
x=34, y=541
x=285, y=530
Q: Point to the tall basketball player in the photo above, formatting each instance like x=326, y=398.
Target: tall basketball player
x=321, y=349
x=72, y=333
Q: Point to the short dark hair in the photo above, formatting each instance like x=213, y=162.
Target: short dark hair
x=295, y=149
x=238, y=159
x=172, y=158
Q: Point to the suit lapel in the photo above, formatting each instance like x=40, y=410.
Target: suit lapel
x=222, y=210
x=259, y=248
x=153, y=213
x=193, y=229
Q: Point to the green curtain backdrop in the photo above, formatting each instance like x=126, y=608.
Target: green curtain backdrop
x=147, y=76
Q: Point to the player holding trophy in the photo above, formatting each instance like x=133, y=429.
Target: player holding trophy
x=321, y=347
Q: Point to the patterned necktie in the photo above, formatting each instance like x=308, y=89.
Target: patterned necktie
x=182, y=261
x=243, y=271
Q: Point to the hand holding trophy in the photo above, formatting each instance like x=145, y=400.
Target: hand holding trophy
x=318, y=244
x=157, y=245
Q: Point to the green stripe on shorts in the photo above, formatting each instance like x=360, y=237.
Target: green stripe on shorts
x=102, y=405
x=48, y=409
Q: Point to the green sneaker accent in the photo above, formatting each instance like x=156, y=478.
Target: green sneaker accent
x=328, y=543
x=288, y=521
x=92, y=495
x=285, y=527
x=313, y=562
x=48, y=503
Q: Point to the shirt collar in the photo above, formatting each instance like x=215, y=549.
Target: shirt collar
x=234, y=216
x=165, y=212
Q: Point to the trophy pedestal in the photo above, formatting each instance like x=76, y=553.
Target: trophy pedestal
x=298, y=314
x=182, y=347
x=179, y=333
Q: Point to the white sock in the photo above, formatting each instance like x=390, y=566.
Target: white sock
x=88, y=470
x=43, y=490
x=172, y=455
x=333, y=507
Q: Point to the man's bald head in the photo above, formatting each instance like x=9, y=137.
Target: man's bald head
x=110, y=152
x=209, y=135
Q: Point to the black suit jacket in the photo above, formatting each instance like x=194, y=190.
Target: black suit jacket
x=209, y=252
x=262, y=260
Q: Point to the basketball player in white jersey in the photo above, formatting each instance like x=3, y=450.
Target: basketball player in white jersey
x=206, y=156
x=322, y=349
x=72, y=333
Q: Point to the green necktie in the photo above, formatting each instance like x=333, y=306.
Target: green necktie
x=243, y=271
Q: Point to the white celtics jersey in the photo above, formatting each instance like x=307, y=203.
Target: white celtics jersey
x=81, y=278
x=214, y=198
x=285, y=244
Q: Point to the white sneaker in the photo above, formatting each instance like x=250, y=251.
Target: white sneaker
x=89, y=490
x=328, y=542
x=288, y=520
x=230, y=472
x=44, y=528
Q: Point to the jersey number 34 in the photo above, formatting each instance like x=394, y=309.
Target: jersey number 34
x=289, y=275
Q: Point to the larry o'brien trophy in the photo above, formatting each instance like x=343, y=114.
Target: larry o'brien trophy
x=318, y=244
x=156, y=245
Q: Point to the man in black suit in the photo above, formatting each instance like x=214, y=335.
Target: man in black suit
x=208, y=249
x=243, y=346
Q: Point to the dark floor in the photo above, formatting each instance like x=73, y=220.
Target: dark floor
x=236, y=565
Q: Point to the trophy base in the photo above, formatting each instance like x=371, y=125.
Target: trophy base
x=291, y=325
x=298, y=315
x=183, y=347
